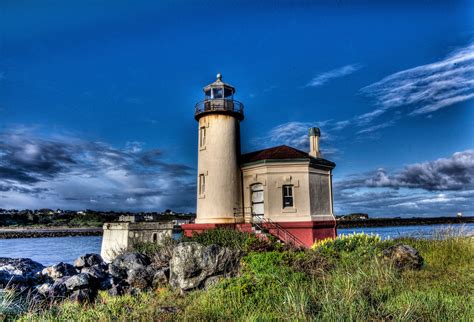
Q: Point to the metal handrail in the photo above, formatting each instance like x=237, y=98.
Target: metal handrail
x=219, y=104
x=292, y=239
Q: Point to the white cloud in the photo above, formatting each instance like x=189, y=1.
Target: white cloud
x=377, y=127
x=325, y=77
x=427, y=88
x=294, y=134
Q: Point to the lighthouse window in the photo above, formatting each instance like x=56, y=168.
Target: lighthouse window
x=202, y=184
x=217, y=92
x=202, y=137
x=227, y=92
x=287, y=196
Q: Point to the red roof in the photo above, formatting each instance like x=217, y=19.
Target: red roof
x=282, y=152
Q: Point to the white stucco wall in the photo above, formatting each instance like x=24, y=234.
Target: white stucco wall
x=312, y=196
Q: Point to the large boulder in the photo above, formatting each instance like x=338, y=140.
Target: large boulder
x=18, y=271
x=59, y=270
x=88, y=260
x=192, y=264
x=131, y=261
x=403, y=257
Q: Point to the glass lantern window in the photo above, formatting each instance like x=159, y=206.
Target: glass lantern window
x=217, y=93
x=227, y=92
x=208, y=93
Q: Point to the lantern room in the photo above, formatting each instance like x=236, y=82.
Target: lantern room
x=219, y=98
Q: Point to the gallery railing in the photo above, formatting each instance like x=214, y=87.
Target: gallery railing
x=219, y=104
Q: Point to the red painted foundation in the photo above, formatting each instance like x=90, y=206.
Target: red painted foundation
x=306, y=232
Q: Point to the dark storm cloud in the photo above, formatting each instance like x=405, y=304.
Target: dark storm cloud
x=28, y=161
x=441, y=187
x=91, y=174
x=453, y=173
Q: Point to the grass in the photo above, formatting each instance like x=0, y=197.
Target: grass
x=326, y=283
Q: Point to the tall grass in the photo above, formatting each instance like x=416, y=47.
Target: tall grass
x=13, y=302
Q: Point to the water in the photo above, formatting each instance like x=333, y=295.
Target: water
x=427, y=231
x=49, y=251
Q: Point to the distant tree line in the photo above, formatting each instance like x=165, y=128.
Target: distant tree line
x=71, y=218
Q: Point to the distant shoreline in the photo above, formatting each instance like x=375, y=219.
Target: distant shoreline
x=393, y=222
x=42, y=232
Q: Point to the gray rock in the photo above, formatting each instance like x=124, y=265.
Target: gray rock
x=161, y=277
x=403, y=257
x=88, y=260
x=22, y=271
x=106, y=283
x=59, y=270
x=117, y=289
x=96, y=271
x=77, y=282
x=211, y=281
x=83, y=295
x=117, y=271
x=54, y=291
x=44, y=289
x=160, y=260
x=131, y=261
x=58, y=289
x=139, y=278
x=192, y=263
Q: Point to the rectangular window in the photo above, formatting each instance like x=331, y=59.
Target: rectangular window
x=202, y=184
x=202, y=137
x=287, y=196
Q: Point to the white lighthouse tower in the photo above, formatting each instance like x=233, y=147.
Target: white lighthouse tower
x=219, y=181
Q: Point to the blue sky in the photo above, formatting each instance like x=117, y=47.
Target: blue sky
x=97, y=98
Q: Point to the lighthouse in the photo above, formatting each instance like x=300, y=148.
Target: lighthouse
x=219, y=179
x=281, y=190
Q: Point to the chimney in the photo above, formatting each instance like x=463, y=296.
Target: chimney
x=314, y=133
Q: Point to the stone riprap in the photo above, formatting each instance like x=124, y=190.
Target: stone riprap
x=191, y=266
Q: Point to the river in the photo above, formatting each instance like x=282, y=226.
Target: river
x=49, y=251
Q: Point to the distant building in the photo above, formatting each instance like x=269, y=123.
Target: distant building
x=286, y=190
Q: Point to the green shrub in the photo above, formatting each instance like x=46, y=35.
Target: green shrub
x=359, y=243
x=235, y=239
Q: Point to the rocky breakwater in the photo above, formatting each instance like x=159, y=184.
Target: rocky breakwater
x=189, y=266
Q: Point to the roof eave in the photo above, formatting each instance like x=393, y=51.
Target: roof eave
x=312, y=162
